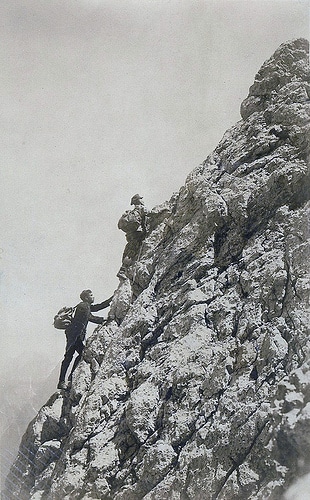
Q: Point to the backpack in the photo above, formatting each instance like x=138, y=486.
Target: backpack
x=63, y=318
x=129, y=221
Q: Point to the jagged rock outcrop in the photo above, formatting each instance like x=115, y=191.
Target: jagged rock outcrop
x=199, y=388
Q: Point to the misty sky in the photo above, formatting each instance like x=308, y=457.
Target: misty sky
x=102, y=99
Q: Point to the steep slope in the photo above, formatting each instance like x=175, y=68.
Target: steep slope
x=198, y=387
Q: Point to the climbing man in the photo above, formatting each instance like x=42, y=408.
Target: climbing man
x=133, y=223
x=76, y=331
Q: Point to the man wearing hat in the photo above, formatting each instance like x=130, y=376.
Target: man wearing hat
x=140, y=210
x=134, y=235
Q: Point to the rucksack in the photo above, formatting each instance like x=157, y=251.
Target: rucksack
x=129, y=221
x=64, y=318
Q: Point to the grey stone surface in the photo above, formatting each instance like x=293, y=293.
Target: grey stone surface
x=198, y=387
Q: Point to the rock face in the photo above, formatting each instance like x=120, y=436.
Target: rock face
x=198, y=386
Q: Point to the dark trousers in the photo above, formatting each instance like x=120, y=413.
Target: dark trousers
x=78, y=346
x=132, y=248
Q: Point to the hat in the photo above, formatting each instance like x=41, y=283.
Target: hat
x=136, y=197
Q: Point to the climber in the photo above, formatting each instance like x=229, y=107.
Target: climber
x=76, y=331
x=133, y=223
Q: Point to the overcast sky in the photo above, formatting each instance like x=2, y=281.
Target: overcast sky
x=102, y=99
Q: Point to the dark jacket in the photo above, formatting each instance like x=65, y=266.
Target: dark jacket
x=83, y=314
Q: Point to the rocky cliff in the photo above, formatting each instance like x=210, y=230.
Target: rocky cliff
x=198, y=386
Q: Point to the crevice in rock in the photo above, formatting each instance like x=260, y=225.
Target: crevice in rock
x=286, y=286
x=173, y=273
x=254, y=373
x=125, y=441
x=238, y=461
x=150, y=340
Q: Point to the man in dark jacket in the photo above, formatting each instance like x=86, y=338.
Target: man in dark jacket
x=75, y=333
